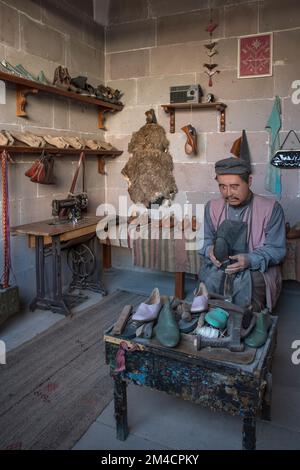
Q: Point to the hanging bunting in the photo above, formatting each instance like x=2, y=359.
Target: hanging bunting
x=211, y=51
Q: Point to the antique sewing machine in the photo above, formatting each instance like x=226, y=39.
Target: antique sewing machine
x=70, y=210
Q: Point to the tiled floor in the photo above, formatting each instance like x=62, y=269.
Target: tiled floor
x=159, y=421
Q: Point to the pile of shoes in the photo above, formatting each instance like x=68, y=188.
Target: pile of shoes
x=154, y=318
x=215, y=322
x=21, y=72
x=61, y=142
x=80, y=85
x=109, y=94
x=42, y=170
x=62, y=79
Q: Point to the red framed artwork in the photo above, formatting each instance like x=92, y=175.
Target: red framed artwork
x=255, y=55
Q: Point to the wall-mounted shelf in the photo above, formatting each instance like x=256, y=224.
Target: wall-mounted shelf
x=171, y=108
x=25, y=87
x=101, y=154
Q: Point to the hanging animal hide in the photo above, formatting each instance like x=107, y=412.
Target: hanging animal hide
x=149, y=170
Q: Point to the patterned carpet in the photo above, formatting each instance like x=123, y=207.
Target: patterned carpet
x=54, y=386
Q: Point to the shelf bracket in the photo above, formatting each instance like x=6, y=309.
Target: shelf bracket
x=101, y=166
x=171, y=112
x=101, y=119
x=21, y=99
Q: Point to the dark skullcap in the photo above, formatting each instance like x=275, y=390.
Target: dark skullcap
x=232, y=166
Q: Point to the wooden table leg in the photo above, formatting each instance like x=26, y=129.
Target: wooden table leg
x=106, y=251
x=179, y=285
x=267, y=399
x=39, y=272
x=249, y=433
x=120, y=398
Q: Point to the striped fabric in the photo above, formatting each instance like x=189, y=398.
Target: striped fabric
x=153, y=249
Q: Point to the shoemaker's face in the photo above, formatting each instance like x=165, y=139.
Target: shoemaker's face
x=234, y=189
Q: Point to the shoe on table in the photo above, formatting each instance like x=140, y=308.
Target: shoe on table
x=149, y=310
x=200, y=301
x=186, y=326
x=167, y=331
x=217, y=317
x=259, y=334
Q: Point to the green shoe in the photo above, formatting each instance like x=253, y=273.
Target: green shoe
x=24, y=72
x=42, y=78
x=217, y=317
x=259, y=334
x=167, y=330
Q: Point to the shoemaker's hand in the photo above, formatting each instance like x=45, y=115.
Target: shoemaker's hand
x=242, y=262
x=212, y=257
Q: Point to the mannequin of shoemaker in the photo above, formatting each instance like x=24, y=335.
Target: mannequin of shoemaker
x=244, y=239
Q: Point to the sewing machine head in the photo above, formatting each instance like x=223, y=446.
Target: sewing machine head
x=70, y=209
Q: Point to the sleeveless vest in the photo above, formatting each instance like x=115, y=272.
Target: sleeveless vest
x=262, y=208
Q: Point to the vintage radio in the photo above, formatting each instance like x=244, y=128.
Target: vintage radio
x=185, y=94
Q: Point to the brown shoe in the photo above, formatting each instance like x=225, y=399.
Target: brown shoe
x=74, y=142
x=3, y=139
x=29, y=139
x=58, y=142
x=191, y=143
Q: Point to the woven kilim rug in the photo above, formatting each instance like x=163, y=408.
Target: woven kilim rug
x=55, y=386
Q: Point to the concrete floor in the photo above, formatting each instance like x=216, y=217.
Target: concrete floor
x=158, y=421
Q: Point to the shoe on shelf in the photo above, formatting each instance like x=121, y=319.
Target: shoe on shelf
x=92, y=144
x=191, y=142
x=41, y=78
x=74, y=142
x=3, y=139
x=62, y=78
x=10, y=138
x=149, y=310
x=29, y=139
x=259, y=334
x=56, y=141
x=25, y=73
x=200, y=301
x=8, y=68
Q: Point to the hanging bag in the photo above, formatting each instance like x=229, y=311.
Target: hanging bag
x=286, y=159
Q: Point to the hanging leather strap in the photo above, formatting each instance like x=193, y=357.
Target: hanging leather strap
x=81, y=161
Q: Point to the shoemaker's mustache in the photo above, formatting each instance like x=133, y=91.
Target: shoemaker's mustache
x=231, y=199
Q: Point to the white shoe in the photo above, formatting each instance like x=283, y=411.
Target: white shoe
x=149, y=310
x=200, y=302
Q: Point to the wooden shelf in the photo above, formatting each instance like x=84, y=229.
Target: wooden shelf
x=171, y=108
x=25, y=87
x=101, y=154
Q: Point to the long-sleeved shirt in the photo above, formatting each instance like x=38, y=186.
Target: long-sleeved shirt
x=273, y=250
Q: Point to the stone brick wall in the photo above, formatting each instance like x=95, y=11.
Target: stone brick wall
x=153, y=44
x=42, y=35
